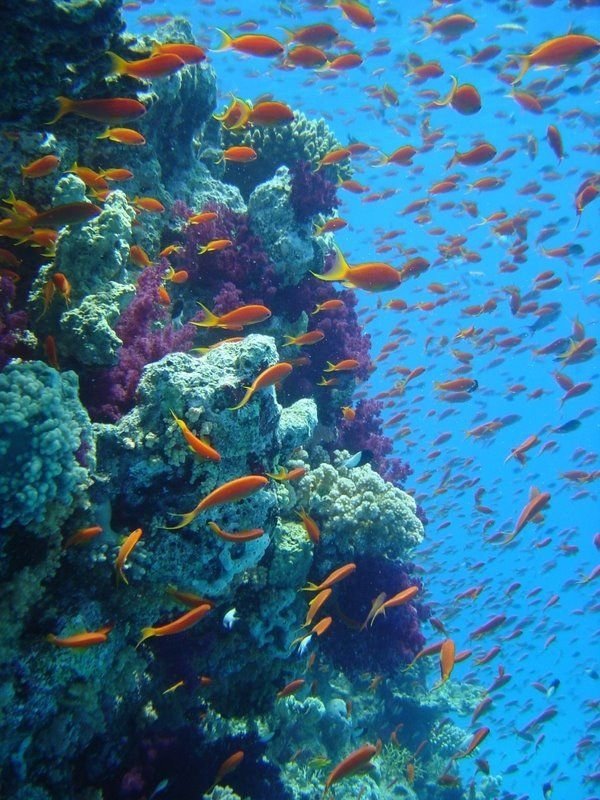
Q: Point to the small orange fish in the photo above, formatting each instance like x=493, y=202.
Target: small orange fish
x=202, y=217
x=332, y=225
x=310, y=526
x=238, y=536
x=234, y=320
x=113, y=109
x=228, y=492
x=62, y=286
x=267, y=377
x=291, y=688
x=51, y=352
x=285, y=475
x=197, y=445
x=345, y=365
x=40, y=167
x=124, y=552
x=399, y=599
x=270, y=112
x=188, y=53
x=238, y=154
x=214, y=246
x=182, y=623
x=123, y=136
x=337, y=575
x=372, y=276
x=329, y=305
x=150, y=204
x=356, y=761
x=146, y=68
x=79, y=640
x=559, y=51
x=226, y=767
x=252, y=44
x=83, y=535
x=463, y=98
x=348, y=413
x=310, y=337
x=139, y=256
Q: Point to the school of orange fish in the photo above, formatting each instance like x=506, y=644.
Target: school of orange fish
x=428, y=385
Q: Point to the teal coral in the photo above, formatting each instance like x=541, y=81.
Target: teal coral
x=361, y=512
x=45, y=429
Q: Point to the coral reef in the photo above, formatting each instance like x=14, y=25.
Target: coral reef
x=361, y=513
x=47, y=447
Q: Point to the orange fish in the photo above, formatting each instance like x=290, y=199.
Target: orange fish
x=116, y=174
x=334, y=157
x=374, y=276
x=238, y=154
x=226, y=767
x=234, y=320
x=332, y=225
x=270, y=112
x=337, y=575
x=182, y=623
x=62, y=286
x=51, y=352
x=268, y=377
x=285, y=475
x=214, y=246
x=538, y=501
x=146, y=68
x=345, y=365
x=40, y=167
x=305, y=55
x=480, y=154
x=83, y=535
x=310, y=337
x=315, y=605
x=559, y=51
x=188, y=53
x=149, y=204
x=397, y=600
x=139, y=256
x=113, y=109
x=86, y=639
x=476, y=740
x=124, y=552
x=291, y=688
x=238, y=536
x=235, y=116
x=202, y=217
x=463, y=98
x=357, y=760
x=252, y=44
x=357, y=12
x=310, y=526
x=123, y=136
x=197, y=445
x=228, y=492
x=65, y=214
x=447, y=661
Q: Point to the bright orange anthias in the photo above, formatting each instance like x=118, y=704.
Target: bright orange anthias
x=374, y=276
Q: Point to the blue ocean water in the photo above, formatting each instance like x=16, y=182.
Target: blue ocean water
x=466, y=485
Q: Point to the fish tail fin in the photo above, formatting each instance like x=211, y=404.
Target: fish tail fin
x=524, y=66
x=226, y=41
x=185, y=520
x=310, y=587
x=210, y=320
x=201, y=251
x=104, y=135
x=146, y=634
x=428, y=25
x=118, y=65
x=452, y=161
x=65, y=106
x=244, y=399
x=339, y=271
x=448, y=99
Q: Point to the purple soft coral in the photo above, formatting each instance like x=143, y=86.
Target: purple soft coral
x=364, y=432
x=312, y=193
x=147, y=336
x=13, y=324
